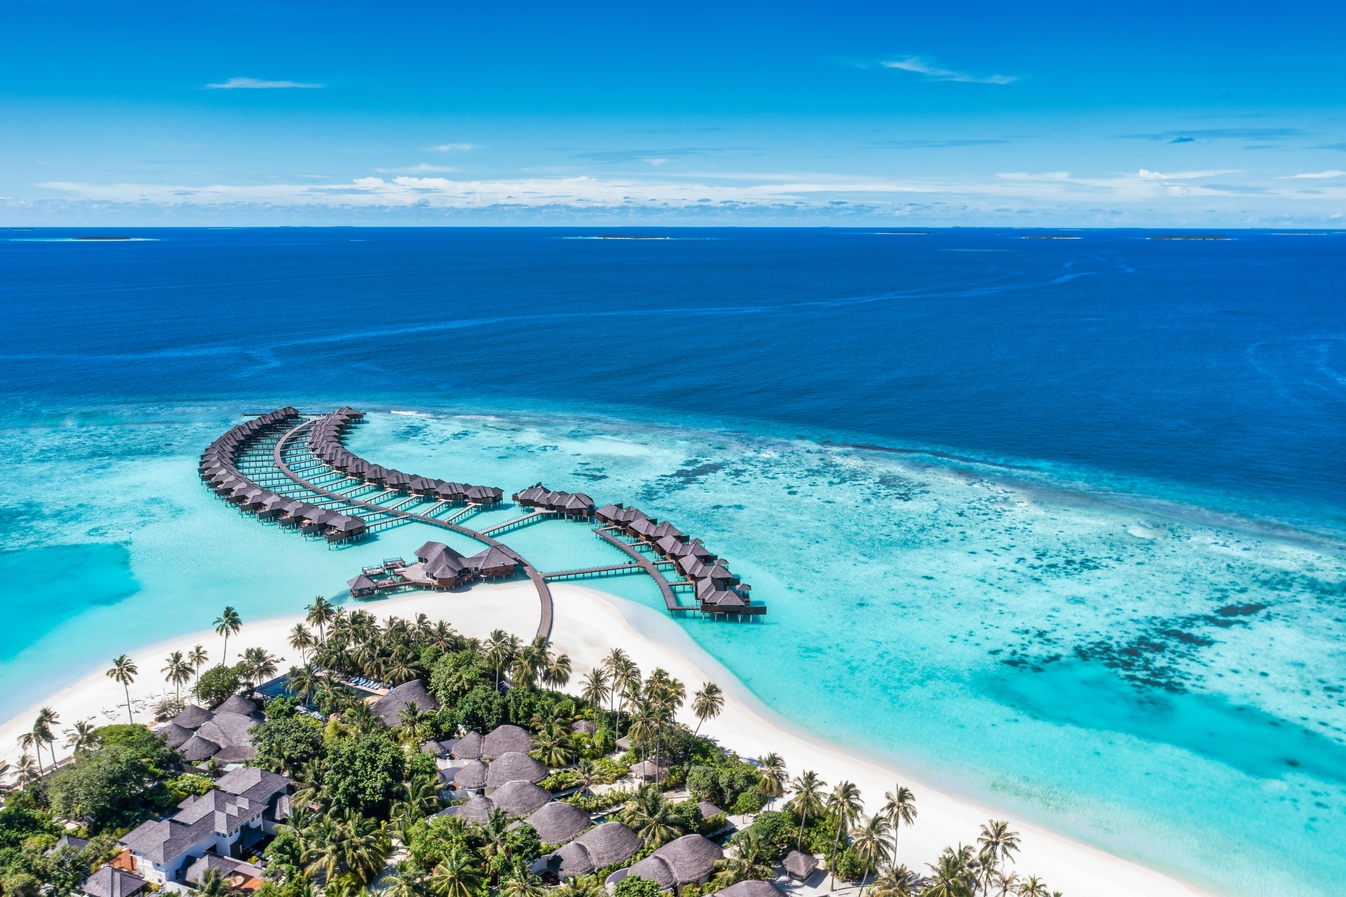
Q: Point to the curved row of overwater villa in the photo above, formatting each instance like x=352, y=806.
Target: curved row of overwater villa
x=294, y=471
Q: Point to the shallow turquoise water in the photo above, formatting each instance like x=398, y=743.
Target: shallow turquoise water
x=1129, y=670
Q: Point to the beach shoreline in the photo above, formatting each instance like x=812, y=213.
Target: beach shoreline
x=588, y=623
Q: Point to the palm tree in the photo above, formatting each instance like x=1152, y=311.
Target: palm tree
x=177, y=671
x=25, y=771
x=899, y=809
x=124, y=671
x=952, y=875
x=82, y=737
x=579, y=887
x=556, y=674
x=895, y=881
x=594, y=690
x=214, y=885
x=808, y=800
x=498, y=651
x=997, y=847
x=844, y=806
x=226, y=624
x=362, y=719
x=301, y=640
x=260, y=665
x=197, y=658
x=30, y=740
x=651, y=818
x=707, y=704
x=521, y=883
x=774, y=776
x=320, y=613
x=1032, y=887
x=586, y=773
x=458, y=873
x=871, y=847
x=413, y=724
x=404, y=881
x=752, y=859
x=46, y=719
x=302, y=682
x=552, y=746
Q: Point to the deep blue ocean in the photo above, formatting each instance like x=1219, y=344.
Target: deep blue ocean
x=1082, y=500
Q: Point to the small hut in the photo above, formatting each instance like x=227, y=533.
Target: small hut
x=800, y=866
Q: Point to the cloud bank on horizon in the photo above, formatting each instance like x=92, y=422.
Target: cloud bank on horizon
x=974, y=115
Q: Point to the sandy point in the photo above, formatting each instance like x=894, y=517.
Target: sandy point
x=587, y=625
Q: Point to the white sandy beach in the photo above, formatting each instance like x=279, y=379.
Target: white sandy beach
x=588, y=623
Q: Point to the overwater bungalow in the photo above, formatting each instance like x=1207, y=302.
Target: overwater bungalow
x=527, y=498
x=362, y=586
x=667, y=530
x=346, y=527
x=608, y=514
x=483, y=495
x=444, y=567
x=494, y=563
x=396, y=479
x=451, y=492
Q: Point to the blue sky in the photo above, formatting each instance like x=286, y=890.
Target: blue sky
x=837, y=113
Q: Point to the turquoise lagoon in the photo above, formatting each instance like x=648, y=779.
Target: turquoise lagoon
x=1113, y=660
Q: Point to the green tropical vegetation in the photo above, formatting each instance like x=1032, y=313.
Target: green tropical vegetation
x=366, y=809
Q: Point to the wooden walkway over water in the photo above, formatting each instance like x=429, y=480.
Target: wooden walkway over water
x=670, y=600
x=543, y=593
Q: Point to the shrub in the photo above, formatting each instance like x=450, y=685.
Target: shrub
x=363, y=774
x=481, y=709
x=114, y=785
x=747, y=803
x=216, y=684
x=635, y=886
x=286, y=744
x=778, y=829
x=848, y=865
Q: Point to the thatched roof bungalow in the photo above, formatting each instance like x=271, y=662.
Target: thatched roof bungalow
x=686, y=860
x=513, y=766
x=504, y=740
x=598, y=848
x=558, y=822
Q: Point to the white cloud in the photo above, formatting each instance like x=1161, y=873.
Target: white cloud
x=762, y=191
x=1315, y=175
x=1183, y=175
x=920, y=66
x=424, y=166
x=451, y=147
x=258, y=84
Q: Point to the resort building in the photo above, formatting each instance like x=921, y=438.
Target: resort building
x=201, y=735
x=244, y=806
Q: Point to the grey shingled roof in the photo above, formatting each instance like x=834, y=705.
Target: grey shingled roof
x=192, y=717
x=236, y=704
x=110, y=882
